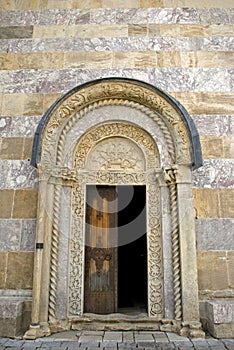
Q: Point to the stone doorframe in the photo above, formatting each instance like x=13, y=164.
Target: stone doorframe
x=72, y=149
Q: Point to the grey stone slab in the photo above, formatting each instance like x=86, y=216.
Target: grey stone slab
x=113, y=336
x=214, y=173
x=215, y=234
x=10, y=234
x=176, y=337
x=143, y=337
x=128, y=336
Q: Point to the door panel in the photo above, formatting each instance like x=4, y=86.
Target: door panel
x=101, y=250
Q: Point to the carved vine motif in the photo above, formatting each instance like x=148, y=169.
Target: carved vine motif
x=76, y=252
x=170, y=179
x=155, y=252
x=117, y=129
x=120, y=91
x=177, y=126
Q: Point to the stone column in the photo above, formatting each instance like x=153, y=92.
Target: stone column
x=188, y=261
x=35, y=328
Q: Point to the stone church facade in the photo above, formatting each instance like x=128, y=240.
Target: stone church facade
x=100, y=98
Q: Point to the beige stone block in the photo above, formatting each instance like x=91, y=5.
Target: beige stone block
x=121, y=3
x=206, y=102
x=169, y=30
x=212, y=270
x=33, y=104
x=101, y=30
x=6, y=203
x=62, y=4
x=228, y=146
x=7, y=61
x=52, y=31
x=206, y=59
x=49, y=99
x=212, y=147
x=221, y=30
x=198, y=3
x=22, y=104
x=11, y=148
x=25, y=204
x=19, y=270
x=225, y=59
x=3, y=265
x=206, y=203
x=230, y=268
x=226, y=196
x=137, y=29
x=12, y=104
x=88, y=60
x=145, y=59
x=45, y=60
x=151, y=3
x=167, y=59
x=154, y=29
x=27, y=148
x=194, y=30
x=124, y=59
x=21, y=4
x=187, y=59
x=84, y=4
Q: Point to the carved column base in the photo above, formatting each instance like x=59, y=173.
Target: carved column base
x=37, y=331
x=192, y=329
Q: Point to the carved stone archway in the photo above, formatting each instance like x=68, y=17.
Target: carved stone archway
x=162, y=146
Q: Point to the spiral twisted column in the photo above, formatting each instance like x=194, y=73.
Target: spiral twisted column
x=54, y=255
x=171, y=182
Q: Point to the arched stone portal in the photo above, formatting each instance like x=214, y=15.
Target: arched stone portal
x=115, y=132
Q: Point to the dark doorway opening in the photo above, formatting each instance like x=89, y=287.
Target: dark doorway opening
x=132, y=250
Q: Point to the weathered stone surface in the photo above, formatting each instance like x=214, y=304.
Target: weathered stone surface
x=215, y=173
x=212, y=103
x=214, y=124
x=16, y=32
x=19, y=270
x=22, y=104
x=6, y=203
x=17, y=174
x=25, y=204
x=215, y=234
x=226, y=203
x=3, y=265
x=212, y=270
x=28, y=235
x=10, y=234
x=206, y=203
x=230, y=267
x=12, y=148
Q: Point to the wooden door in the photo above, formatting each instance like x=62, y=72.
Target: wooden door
x=100, y=294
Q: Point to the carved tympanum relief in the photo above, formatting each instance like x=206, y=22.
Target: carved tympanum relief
x=116, y=154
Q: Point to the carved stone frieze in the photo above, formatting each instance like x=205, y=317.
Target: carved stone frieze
x=115, y=154
x=124, y=137
x=138, y=97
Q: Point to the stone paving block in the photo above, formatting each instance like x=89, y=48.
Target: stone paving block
x=160, y=337
x=113, y=336
x=144, y=337
x=176, y=337
x=128, y=337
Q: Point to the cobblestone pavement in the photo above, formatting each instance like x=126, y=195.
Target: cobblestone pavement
x=98, y=340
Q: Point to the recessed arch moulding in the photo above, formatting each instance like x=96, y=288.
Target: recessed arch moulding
x=115, y=132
